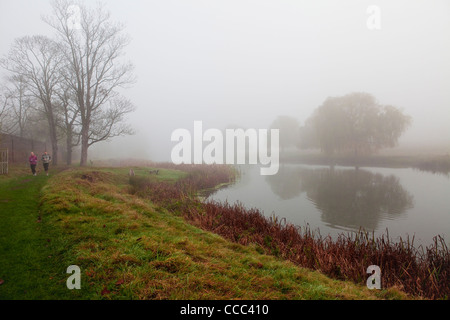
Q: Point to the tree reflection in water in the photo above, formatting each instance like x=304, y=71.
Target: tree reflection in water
x=350, y=198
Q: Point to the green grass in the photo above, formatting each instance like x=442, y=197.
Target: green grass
x=129, y=248
x=27, y=266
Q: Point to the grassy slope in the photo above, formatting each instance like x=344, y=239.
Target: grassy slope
x=128, y=248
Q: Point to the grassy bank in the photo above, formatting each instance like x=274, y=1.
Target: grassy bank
x=418, y=271
x=129, y=247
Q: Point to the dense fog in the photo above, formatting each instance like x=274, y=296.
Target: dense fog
x=243, y=63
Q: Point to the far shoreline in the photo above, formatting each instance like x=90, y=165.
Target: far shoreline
x=436, y=163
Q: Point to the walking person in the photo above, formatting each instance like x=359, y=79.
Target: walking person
x=46, y=158
x=33, y=162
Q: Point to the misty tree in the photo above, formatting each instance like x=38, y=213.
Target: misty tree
x=288, y=129
x=307, y=137
x=93, y=47
x=38, y=124
x=356, y=123
x=6, y=120
x=19, y=105
x=36, y=61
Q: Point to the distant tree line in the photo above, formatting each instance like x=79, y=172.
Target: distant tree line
x=352, y=124
x=67, y=87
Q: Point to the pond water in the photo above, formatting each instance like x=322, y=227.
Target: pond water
x=406, y=202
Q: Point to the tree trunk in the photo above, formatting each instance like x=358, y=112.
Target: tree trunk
x=69, y=148
x=53, y=137
x=54, y=143
x=84, y=146
x=54, y=152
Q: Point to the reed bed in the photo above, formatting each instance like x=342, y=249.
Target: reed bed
x=420, y=271
x=181, y=193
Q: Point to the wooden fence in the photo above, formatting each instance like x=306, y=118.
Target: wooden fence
x=3, y=161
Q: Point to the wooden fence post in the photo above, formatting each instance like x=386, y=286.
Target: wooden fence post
x=3, y=161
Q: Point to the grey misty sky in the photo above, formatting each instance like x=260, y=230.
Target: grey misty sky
x=242, y=62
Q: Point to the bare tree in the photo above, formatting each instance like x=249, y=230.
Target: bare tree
x=109, y=122
x=6, y=121
x=19, y=105
x=36, y=60
x=93, y=47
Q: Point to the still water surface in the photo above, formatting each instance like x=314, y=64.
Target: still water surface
x=342, y=199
